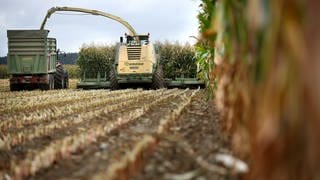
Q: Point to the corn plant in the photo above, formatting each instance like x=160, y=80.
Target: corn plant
x=261, y=56
x=94, y=59
x=177, y=60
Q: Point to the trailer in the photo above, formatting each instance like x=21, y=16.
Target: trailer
x=32, y=61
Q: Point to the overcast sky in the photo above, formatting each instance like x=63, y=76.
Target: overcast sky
x=173, y=20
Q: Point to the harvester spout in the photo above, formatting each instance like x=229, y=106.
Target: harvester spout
x=88, y=11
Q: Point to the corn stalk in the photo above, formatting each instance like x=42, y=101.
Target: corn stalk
x=262, y=57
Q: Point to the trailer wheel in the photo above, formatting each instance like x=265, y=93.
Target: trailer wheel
x=50, y=84
x=51, y=81
x=157, y=78
x=113, y=80
x=59, y=78
x=14, y=87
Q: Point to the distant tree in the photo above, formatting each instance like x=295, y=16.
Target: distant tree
x=68, y=58
x=3, y=60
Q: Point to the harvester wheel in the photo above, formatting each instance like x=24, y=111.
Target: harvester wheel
x=157, y=78
x=113, y=80
x=59, y=78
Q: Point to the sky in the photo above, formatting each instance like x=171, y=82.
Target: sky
x=172, y=20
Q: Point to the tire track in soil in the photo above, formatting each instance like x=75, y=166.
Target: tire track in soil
x=19, y=152
x=109, y=148
x=198, y=126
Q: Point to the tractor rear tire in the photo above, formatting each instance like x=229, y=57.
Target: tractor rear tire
x=113, y=80
x=66, y=80
x=157, y=78
x=59, y=78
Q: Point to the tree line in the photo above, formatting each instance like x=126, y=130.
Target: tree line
x=65, y=58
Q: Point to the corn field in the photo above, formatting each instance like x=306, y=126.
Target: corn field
x=178, y=60
x=95, y=58
x=260, y=61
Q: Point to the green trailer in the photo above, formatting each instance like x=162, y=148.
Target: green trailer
x=32, y=61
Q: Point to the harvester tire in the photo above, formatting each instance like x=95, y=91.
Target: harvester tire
x=157, y=78
x=59, y=78
x=113, y=80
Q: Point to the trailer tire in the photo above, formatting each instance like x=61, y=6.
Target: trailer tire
x=14, y=87
x=51, y=81
x=50, y=84
x=157, y=78
x=59, y=78
x=113, y=80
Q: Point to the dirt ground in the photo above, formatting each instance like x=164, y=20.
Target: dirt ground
x=101, y=134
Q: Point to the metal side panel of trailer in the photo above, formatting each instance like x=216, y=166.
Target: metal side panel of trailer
x=31, y=52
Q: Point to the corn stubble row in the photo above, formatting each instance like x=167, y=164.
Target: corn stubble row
x=4, y=85
x=30, y=103
x=129, y=164
x=113, y=103
x=261, y=59
x=36, y=159
x=21, y=94
x=56, y=111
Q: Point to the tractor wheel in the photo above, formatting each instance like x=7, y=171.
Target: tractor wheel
x=157, y=78
x=66, y=80
x=113, y=80
x=59, y=78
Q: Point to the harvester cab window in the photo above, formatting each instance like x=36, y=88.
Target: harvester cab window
x=137, y=40
x=129, y=39
x=144, y=40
